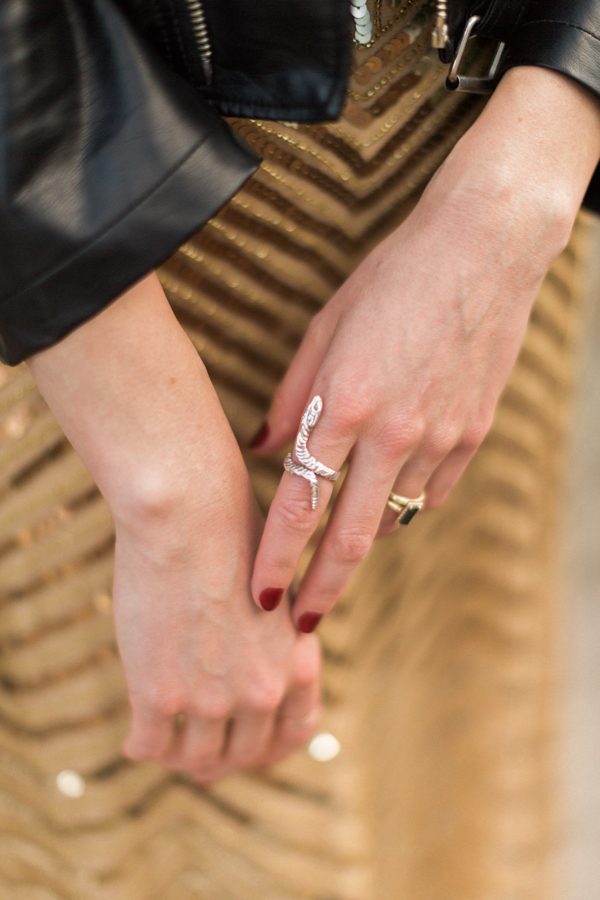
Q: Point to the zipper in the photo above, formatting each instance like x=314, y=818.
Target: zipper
x=197, y=19
x=495, y=19
x=439, y=34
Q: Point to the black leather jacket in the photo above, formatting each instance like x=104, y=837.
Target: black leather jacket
x=113, y=147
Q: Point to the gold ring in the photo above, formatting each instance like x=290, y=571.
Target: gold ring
x=406, y=507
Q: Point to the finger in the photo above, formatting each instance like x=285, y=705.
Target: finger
x=291, y=521
x=292, y=394
x=350, y=531
x=437, y=484
x=150, y=736
x=249, y=738
x=296, y=720
x=410, y=482
x=199, y=747
x=447, y=475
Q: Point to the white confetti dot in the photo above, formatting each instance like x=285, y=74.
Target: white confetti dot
x=324, y=746
x=70, y=783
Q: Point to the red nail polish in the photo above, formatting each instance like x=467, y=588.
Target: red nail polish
x=260, y=437
x=309, y=621
x=270, y=597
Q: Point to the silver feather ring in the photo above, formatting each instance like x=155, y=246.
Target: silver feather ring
x=308, y=467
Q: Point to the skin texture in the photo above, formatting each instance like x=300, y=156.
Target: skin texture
x=451, y=289
x=411, y=354
x=136, y=402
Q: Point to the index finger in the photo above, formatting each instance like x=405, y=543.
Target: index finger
x=291, y=520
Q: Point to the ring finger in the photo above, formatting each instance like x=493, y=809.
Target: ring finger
x=199, y=745
x=248, y=739
x=410, y=483
x=436, y=482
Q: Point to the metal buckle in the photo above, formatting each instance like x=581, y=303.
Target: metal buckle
x=469, y=83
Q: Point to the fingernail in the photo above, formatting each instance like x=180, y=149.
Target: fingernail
x=270, y=597
x=260, y=437
x=309, y=621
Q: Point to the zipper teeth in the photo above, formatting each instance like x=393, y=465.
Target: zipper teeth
x=201, y=36
x=439, y=34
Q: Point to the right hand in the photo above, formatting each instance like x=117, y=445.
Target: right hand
x=193, y=642
x=137, y=404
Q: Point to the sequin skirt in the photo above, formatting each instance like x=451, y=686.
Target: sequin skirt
x=438, y=660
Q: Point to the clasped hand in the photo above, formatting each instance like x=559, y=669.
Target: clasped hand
x=194, y=646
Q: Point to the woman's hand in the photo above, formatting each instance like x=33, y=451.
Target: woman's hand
x=136, y=402
x=412, y=352
x=193, y=643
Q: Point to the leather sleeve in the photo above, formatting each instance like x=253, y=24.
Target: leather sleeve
x=563, y=35
x=108, y=162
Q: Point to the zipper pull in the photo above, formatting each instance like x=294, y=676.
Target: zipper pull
x=439, y=34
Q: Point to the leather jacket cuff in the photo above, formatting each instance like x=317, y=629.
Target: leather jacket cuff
x=556, y=45
x=141, y=239
x=108, y=162
x=566, y=38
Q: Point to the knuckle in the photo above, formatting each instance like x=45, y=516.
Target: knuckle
x=296, y=515
x=213, y=706
x=306, y=663
x=167, y=704
x=159, y=699
x=438, y=443
x=306, y=672
x=350, y=546
x=395, y=438
x=348, y=412
x=297, y=732
x=263, y=696
x=474, y=435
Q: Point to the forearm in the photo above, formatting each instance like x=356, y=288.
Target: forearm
x=136, y=402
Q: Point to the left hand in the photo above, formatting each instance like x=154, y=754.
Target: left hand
x=411, y=354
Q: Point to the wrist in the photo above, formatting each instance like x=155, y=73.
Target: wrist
x=191, y=488
x=524, y=164
x=135, y=400
x=524, y=229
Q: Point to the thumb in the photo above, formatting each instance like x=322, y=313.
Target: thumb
x=291, y=395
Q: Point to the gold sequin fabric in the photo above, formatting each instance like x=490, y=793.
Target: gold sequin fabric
x=438, y=660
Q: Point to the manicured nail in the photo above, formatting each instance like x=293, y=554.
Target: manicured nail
x=270, y=597
x=260, y=437
x=309, y=621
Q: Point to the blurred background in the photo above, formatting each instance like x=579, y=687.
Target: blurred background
x=579, y=724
